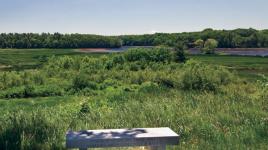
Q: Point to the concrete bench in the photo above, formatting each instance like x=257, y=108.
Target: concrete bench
x=156, y=138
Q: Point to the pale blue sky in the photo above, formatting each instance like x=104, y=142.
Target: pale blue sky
x=113, y=17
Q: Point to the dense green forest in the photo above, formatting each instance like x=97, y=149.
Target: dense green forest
x=57, y=40
x=239, y=38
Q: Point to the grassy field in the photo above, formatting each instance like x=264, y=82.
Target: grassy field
x=20, y=59
x=197, y=100
x=249, y=67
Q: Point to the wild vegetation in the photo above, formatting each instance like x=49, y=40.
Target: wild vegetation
x=138, y=88
x=238, y=38
x=25, y=59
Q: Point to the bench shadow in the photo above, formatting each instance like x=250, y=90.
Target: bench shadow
x=128, y=133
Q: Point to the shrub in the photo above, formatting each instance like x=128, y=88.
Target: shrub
x=161, y=55
x=10, y=79
x=118, y=59
x=17, y=92
x=134, y=67
x=199, y=76
x=136, y=54
x=108, y=83
x=81, y=81
x=137, y=77
x=48, y=90
x=65, y=62
x=179, y=52
x=154, y=54
x=33, y=77
x=32, y=91
x=148, y=87
x=109, y=65
x=165, y=80
x=28, y=91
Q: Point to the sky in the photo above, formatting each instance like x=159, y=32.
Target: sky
x=117, y=17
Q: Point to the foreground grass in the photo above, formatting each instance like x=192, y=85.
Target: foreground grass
x=203, y=120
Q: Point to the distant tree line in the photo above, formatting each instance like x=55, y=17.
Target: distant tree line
x=57, y=40
x=238, y=38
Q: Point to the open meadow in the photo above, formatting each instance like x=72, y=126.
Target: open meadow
x=212, y=101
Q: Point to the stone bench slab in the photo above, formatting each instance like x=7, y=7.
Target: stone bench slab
x=121, y=138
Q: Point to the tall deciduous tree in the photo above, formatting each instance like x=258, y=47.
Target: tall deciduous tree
x=210, y=46
x=199, y=43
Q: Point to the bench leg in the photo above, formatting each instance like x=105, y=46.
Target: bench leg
x=161, y=147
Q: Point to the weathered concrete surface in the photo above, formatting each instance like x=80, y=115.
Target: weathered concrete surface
x=158, y=137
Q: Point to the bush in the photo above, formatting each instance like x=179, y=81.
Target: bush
x=81, y=81
x=109, y=83
x=118, y=59
x=48, y=90
x=136, y=54
x=33, y=77
x=148, y=87
x=32, y=91
x=65, y=62
x=154, y=54
x=179, y=52
x=199, y=76
x=134, y=67
x=17, y=92
x=10, y=79
x=165, y=80
x=138, y=77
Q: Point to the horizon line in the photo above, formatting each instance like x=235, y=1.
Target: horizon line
x=157, y=32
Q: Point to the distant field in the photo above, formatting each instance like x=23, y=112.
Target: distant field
x=237, y=51
x=20, y=59
x=246, y=66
